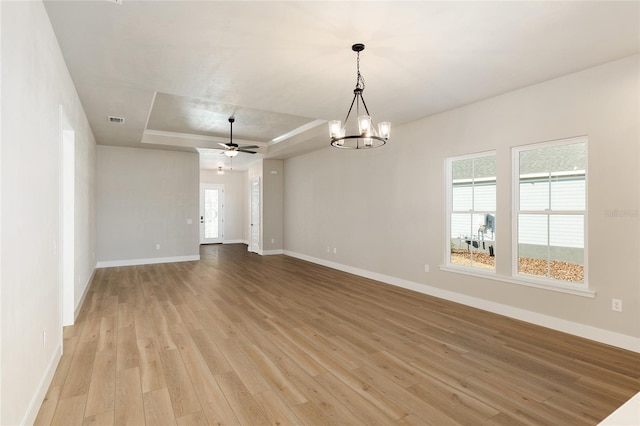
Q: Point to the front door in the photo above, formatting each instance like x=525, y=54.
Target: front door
x=211, y=213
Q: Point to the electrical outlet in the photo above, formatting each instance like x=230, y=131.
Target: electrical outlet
x=335, y=250
x=157, y=246
x=273, y=240
x=426, y=267
x=616, y=305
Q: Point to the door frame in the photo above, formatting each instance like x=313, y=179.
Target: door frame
x=255, y=209
x=220, y=188
x=67, y=219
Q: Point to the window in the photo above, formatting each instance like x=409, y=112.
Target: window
x=471, y=218
x=549, y=211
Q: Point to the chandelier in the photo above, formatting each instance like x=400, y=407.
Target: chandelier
x=367, y=136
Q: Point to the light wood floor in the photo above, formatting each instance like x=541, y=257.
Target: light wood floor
x=241, y=339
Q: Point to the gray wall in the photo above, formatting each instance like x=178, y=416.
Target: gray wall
x=35, y=83
x=273, y=206
x=384, y=210
x=236, y=206
x=271, y=174
x=146, y=197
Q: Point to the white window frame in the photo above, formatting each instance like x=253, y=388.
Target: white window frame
x=546, y=282
x=450, y=211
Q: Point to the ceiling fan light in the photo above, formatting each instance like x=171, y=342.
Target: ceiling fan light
x=231, y=153
x=384, y=129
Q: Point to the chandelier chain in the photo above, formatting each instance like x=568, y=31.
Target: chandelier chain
x=359, y=77
x=358, y=91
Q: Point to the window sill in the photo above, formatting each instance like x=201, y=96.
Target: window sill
x=491, y=275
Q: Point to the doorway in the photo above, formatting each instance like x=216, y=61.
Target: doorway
x=211, y=213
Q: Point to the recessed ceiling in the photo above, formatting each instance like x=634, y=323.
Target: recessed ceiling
x=181, y=114
x=176, y=70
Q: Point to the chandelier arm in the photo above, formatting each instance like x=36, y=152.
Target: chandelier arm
x=364, y=104
x=350, y=108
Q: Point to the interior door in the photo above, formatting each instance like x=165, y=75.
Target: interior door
x=211, y=213
x=254, y=239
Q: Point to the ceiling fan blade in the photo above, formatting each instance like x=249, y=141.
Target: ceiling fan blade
x=223, y=144
x=248, y=152
x=250, y=147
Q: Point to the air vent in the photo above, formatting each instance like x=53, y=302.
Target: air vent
x=115, y=1
x=113, y=119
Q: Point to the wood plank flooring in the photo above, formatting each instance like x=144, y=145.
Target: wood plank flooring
x=241, y=339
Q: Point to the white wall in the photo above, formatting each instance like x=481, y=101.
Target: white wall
x=85, y=222
x=1, y=364
x=146, y=197
x=35, y=82
x=236, y=205
x=384, y=210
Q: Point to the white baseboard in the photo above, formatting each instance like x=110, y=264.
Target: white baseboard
x=270, y=252
x=582, y=330
x=134, y=262
x=233, y=242
x=43, y=387
x=84, y=294
x=627, y=414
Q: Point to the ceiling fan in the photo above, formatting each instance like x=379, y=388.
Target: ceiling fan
x=232, y=149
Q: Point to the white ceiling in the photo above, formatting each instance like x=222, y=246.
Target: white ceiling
x=177, y=70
